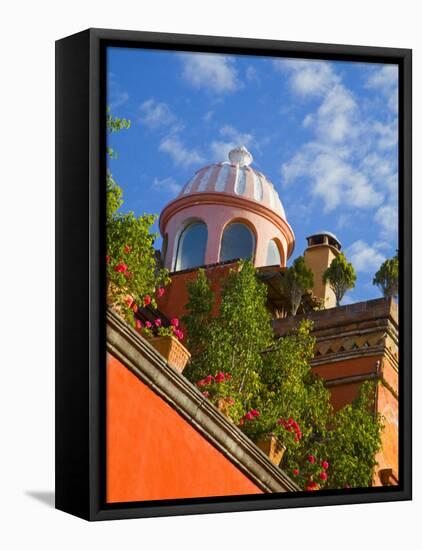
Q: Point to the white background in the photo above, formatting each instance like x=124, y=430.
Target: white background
x=29, y=30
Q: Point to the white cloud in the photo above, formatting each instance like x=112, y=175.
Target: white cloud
x=307, y=77
x=364, y=257
x=231, y=138
x=166, y=184
x=333, y=178
x=154, y=114
x=116, y=96
x=337, y=117
x=387, y=217
x=213, y=72
x=181, y=155
x=385, y=79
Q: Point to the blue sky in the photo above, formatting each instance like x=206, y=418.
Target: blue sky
x=325, y=133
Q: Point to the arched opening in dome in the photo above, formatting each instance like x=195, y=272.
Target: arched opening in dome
x=273, y=253
x=191, y=246
x=238, y=242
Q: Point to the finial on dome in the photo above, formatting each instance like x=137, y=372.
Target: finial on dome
x=241, y=156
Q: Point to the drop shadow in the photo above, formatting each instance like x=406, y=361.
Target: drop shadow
x=45, y=497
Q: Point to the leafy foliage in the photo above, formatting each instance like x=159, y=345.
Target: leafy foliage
x=269, y=387
x=296, y=281
x=341, y=277
x=387, y=277
x=132, y=274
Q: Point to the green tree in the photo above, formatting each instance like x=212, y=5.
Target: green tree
x=132, y=273
x=296, y=281
x=387, y=277
x=269, y=386
x=354, y=440
x=341, y=277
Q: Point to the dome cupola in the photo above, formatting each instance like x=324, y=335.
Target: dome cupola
x=227, y=210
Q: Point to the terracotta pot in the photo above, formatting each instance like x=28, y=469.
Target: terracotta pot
x=270, y=445
x=223, y=405
x=172, y=350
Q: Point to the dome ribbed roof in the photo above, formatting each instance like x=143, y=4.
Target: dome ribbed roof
x=235, y=177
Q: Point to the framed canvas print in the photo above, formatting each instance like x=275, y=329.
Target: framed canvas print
x=233, y=274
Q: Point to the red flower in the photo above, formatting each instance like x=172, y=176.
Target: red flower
x=129, y=301
x=127, y=249
x=138, y=324
x=325, y=465
x=209, y=379
x=160, y=292
x=147, y=300
x=157, y=322
x=311, y=459
x=134, y=307
x=219, y=377
x=180, y=335
x=249, y=416
x=312, y=486
x=148, y=324
x=201, y=382
x=120, y=267
x=241, y=422
x=107, y=259
x=175, y=322
x=323, y=475
x=206, y=393
x=255, y=412
x=295, y=472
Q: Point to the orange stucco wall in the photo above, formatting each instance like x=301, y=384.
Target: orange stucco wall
x=153, y=453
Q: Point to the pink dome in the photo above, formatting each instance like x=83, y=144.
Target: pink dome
x=236, y=177
x=226, y=210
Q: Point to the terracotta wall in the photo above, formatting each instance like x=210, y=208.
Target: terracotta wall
x=153, y=453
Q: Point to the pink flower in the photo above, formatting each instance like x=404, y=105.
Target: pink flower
x=325, y=465
x=201, y=382
x=134, y=307
x=148, y=324
x=209, y=378
x=129, y=301
x=121, y=268
x=127, y=249
x=311, y=459
x=219, y=377
x=147, y=300
x=157, y=322
x=175, y=322
x=295, y=472
x=323, y=475
x=180, y=335
x=206, y=393
x=255, y=412
x=138, y=324
x=160, y=292
x=249, y=416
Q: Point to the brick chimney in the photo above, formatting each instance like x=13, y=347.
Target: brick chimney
x=323, y=247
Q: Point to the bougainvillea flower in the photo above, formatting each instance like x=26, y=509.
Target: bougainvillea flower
x=219, y=377
x=138, y=324
x=323, y=475
x=255, y=412
x=295, y=472
x=175, y=322
x=160, y=292
x=325, y=464
x=120, y=267
x=148, y=324
x=147, y=300
x=311, y=459
x=157, y=322
x=134, y=307
x=249, y=416
x=180, y=334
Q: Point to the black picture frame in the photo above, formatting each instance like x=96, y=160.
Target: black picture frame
x=80, y=274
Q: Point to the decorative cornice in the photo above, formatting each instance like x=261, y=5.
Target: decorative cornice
x=219, y=199
x=150, y=367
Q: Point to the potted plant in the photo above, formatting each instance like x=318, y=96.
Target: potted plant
x=167, y=341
